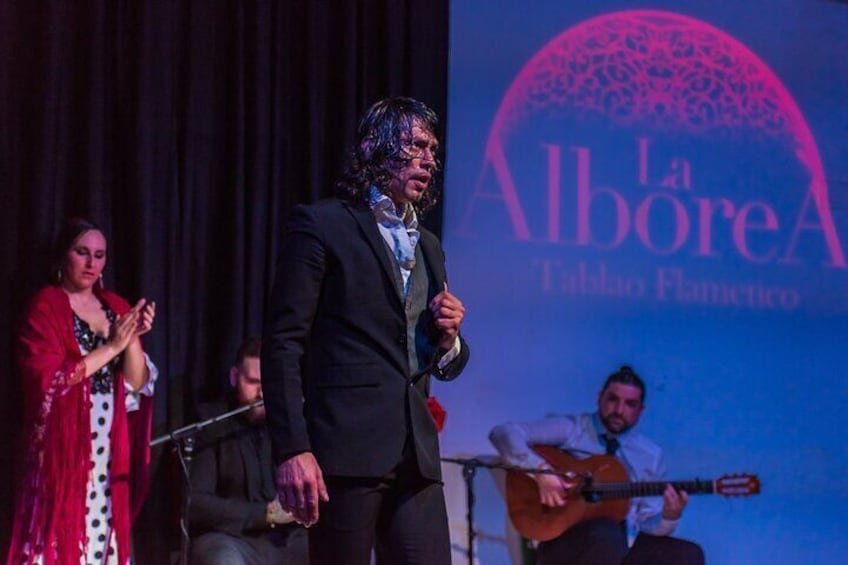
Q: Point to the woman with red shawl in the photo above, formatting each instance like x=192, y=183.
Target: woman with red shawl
x=87, y=385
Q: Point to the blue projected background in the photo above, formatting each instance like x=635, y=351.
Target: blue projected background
x=661, y=184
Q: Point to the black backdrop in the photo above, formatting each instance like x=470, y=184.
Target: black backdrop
x=187, y=129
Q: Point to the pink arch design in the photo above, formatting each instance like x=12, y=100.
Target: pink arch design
x=662, y=70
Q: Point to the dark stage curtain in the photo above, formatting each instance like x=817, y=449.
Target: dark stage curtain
x=188, y=130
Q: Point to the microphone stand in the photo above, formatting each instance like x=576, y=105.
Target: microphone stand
x=469, y=471
x=183, y=438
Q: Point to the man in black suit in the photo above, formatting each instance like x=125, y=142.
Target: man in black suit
x=359, y=320
x=236, y=518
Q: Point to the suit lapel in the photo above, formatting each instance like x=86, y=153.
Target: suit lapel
x=429, y=249
x=249, y=460
x=368, y=226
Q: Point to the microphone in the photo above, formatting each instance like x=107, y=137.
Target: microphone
x=195, y=428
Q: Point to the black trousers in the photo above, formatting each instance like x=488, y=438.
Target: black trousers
x=285, y=545
x=401, y=516
x=603, y=542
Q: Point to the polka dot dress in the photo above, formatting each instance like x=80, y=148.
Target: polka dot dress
x=101, y=545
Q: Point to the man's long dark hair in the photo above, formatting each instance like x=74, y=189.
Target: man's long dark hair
x=379, y=149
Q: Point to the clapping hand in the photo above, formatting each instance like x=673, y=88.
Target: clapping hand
x=136, y=322
x=124, y=328
x=146, y=316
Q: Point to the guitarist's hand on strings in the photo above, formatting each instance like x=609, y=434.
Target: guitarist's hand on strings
x=553, y=489
x=673, y=503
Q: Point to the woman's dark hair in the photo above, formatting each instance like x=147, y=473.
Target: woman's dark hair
x=379, y=149
x=72, y=229
x=626, y=376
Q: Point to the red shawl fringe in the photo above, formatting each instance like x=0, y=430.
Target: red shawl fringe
x=50, y=517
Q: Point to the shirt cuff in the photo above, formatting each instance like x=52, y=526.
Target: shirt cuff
x=665, y=527
x=450, y=354
x=257, y=516
x=132, y=400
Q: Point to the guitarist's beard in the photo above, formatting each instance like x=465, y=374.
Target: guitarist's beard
x=616, y=423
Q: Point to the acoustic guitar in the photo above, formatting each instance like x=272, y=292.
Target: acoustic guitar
x=602, y=490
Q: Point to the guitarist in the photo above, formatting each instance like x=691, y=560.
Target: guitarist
x=610, y=430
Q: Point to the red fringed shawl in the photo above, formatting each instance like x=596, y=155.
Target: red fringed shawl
x=50, y=515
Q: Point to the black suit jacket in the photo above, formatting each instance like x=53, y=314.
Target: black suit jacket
x=231, y=479
x=335, y=373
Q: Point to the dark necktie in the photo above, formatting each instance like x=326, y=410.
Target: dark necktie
x=612, y=444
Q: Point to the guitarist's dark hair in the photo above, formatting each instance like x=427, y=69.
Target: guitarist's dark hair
x=250, y=347
x=626, y=376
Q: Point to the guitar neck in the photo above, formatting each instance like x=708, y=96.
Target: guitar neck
x=608, y=491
